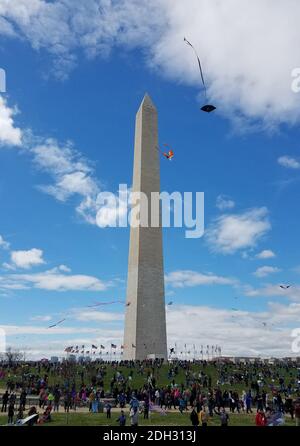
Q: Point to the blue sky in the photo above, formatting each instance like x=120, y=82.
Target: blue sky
x=54, y=262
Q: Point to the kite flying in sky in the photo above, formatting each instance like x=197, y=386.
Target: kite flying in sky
x=208, y=108
x=285, y=287
x=98, y=304
x=169, y=155
x=57, y=323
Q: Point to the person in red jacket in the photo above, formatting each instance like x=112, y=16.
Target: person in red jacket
x=260, y=419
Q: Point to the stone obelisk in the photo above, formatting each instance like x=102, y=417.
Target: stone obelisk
x=145, y=319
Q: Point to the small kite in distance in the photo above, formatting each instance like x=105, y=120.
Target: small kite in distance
x=285, y=287
x=169, y=155
x=57, y=323
x=208, y=108
x=170, y=303
x=98, y=304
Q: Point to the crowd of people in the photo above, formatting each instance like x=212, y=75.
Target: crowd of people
x=206, y=390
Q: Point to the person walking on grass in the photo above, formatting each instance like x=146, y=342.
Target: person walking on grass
x=224, y=418
x=56, y=400
x=23, y=399
x=146, y=409
x=134, y=417
x=50, y=399
x=122, y=419
x=108, y=410
x=248, y=402
x=20, y=414
x=4, y=401
x=203, y=418
x=260, y=418
x=297, y=412
x=11, y=413
x=194, y=418
x=181, y=405
x=67, y=401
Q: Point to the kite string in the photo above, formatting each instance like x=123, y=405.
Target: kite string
x=200, y=67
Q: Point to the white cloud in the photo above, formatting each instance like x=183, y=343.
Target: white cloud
x=9, y=134
x=64, y=268
x=3, y=243
x=8, y=266
x=6, y=28
x=70, y=184
x=72, y=175
x=185, y=278
x=285, y=313
x=266, y=254
x=41, y=318
x=256, y=57
x=58, y=159
x=223, y=203
x=288, y=162
x=231, y=233
x=274, y=290
x=39, y=342
x=27, y=259
x=266, y=333
x=54, y=280
x=113, y=208
x=98, y=316
x=264, y=271
x=12, y=330
x=254, y=337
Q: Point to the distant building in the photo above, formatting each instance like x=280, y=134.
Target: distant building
x=82, y=359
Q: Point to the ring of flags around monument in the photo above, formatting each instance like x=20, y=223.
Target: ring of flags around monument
x=93, y=350
x=197, y=352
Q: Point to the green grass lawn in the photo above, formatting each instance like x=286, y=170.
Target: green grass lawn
x=139, y=380
x=171, y=419
x=161, y=375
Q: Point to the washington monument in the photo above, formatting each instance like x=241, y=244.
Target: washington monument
x=145, y=319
